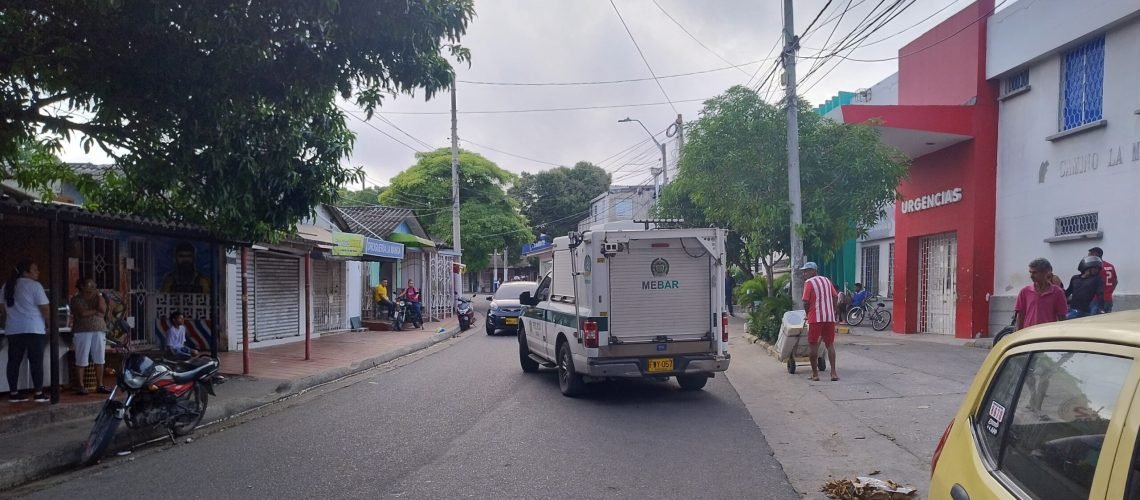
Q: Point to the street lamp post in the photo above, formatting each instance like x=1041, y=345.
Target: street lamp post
x=664, y=167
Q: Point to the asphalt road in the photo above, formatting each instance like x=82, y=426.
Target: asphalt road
x=463, y=421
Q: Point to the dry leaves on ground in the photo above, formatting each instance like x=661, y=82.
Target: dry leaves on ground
x=866, y=488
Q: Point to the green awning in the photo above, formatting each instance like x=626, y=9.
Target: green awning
x=410, y=240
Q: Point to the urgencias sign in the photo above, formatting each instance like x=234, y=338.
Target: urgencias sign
x=932, y=200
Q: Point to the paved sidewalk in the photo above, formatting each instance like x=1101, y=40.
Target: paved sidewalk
x=39, y=439
x=895, y=395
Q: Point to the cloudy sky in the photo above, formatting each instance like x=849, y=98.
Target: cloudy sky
x=561, y=41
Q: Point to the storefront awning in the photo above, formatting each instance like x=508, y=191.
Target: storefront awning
x=916, y=130
x=316, y=234
x=411, y=240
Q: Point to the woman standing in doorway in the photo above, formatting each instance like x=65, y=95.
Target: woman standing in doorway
x=26, y=305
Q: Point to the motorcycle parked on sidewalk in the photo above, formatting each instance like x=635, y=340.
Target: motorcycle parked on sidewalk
x=465, y=312
x=404, y=315
x=170, y=395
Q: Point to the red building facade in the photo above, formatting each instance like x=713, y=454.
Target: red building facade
x=946, y=121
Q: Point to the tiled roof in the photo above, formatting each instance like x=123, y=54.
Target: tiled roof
x=377, y=220
x=94, y=170
x=79, y=215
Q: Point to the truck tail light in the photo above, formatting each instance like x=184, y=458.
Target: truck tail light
x=590, y=333
x=724, y=327
x=938, y=449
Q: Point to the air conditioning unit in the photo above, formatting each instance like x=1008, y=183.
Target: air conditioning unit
x=863, y=95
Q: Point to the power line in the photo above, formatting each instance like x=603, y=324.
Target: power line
x=374, y=127
x=640, y=53
x=817, y=16
x=546, y=110
x=932, y=45
x=695, y=39
x=473, y=143
x=610, y=82
x=414, y=138
x=904, y=30
x=829, y=35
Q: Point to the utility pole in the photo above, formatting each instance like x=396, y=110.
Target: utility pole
x=791, y=44
x=506, y=263
x=455, y=176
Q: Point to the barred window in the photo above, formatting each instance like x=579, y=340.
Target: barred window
x=1015, y=82
x=1082, y=85
x=1076, y=224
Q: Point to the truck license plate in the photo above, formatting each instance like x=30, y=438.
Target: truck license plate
x=510, y=321
x=661, y=364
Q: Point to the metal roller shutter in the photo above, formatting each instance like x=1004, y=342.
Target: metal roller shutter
x=277, y=296
x=673, y=301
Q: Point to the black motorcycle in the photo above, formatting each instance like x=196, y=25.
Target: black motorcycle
x=404, y=315
x=465, y=312
x=171, y=395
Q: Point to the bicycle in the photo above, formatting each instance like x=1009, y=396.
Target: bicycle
x=880, y=316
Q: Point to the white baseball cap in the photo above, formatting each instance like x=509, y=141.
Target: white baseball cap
x=810, y=265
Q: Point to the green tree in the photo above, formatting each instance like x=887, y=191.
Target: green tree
x=367, y=196
x=550, y=198
x=219, y=113
x=733, y=174
x=34, y=167
x=489, y=220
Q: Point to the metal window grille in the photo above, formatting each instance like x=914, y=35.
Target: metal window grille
x=1076, y=224
x=1015, y=82
x=891, y=272
x=99, y=261
x=871, y=269
x=1082, y=85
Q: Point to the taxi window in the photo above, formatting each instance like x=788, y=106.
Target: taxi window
x=1054, y=433
x=993, y=416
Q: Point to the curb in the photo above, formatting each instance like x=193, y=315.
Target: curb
x=61, y=458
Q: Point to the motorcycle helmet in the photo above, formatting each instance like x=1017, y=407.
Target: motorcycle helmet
x=1089, y=262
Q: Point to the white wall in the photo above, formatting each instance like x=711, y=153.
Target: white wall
x=354, y=285
x=1031, y=194
x=1031, y=29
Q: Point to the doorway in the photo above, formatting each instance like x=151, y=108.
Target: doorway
x=938, y=291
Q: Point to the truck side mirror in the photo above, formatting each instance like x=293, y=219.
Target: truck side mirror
x=526, y=300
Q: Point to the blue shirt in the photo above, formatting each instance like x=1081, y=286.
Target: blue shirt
x=860, y=296
x=24, y=316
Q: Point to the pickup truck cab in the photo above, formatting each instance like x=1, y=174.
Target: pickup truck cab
x=622, y=300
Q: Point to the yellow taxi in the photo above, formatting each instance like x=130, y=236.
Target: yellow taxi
x=1053, y=413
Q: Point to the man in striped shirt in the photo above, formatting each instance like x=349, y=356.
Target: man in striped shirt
x=819, y=304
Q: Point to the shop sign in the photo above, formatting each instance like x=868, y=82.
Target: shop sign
x=380, y=248
x=348, y=244
x=932, y=200
x=358, y=245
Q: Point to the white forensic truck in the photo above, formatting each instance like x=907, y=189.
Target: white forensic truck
x=624, y=300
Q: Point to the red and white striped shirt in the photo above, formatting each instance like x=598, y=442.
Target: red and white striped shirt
x=819, y=299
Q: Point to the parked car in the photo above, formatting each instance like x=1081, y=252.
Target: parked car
x=1052, y=413
x=505, y=308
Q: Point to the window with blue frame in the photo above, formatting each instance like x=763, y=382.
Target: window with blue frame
x=1082, y=85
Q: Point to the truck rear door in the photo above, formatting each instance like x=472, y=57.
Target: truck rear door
x=661, y=289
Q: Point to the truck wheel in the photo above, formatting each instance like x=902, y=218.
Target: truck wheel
x=569, y=383
x=528, y=365
x=692, y=382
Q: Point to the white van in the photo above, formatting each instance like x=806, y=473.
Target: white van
x=623, y=300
